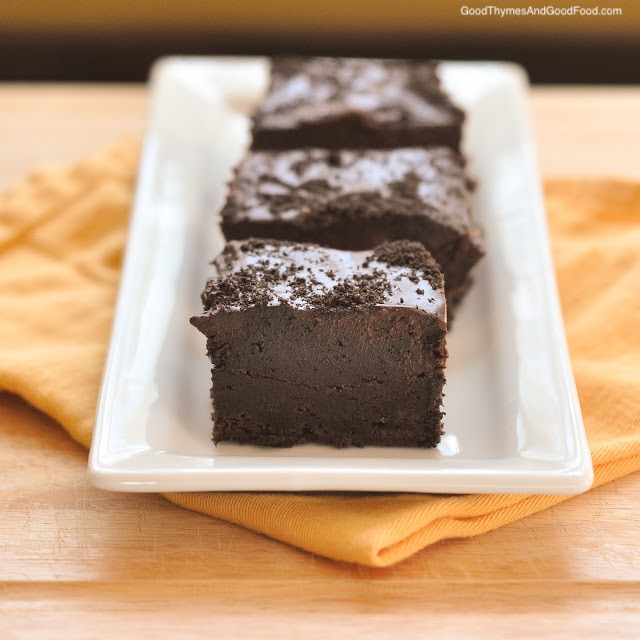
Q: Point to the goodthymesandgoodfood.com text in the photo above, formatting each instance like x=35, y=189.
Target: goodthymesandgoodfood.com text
x=549, y=10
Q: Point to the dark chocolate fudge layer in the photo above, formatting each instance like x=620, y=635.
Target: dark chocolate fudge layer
x=310, y=344
x=341, y=103
x=357, y=199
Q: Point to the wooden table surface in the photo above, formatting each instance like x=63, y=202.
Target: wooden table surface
x=79, y=562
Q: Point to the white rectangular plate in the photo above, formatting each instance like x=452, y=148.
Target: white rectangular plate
x=513, y=422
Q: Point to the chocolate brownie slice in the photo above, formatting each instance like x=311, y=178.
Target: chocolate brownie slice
x=310, y=344
x=357, y=199
x=340, y=103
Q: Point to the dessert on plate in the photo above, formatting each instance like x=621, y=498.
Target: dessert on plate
x=357, y=199
x=341, y=103
x=346, y=223
x=312, y=344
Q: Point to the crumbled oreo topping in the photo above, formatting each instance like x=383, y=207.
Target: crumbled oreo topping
x=316, y=188
x=266, y=272
x=307, y=89
x=362, y=289
x=412, y=255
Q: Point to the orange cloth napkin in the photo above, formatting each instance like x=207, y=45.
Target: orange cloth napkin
x=61, y=238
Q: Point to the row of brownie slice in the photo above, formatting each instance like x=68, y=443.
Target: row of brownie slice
x=326, y=322
x=349, y=153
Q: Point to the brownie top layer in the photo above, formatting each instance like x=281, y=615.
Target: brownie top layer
x=393, y=93
x=308, y=187
x=304, y=276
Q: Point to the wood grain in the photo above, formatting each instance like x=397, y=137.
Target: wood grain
x=79, y=562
